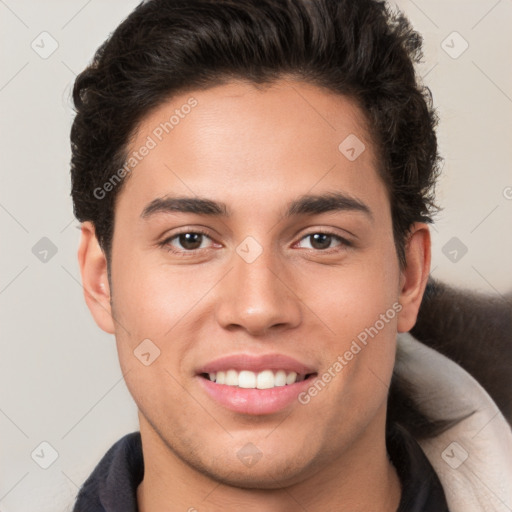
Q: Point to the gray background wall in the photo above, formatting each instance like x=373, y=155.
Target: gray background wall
x=60, y=380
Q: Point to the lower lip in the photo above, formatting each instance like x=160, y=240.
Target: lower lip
x=255, y=401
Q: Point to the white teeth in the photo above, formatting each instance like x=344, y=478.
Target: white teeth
x=231, y=378
x=290, y=378
x=280, y=378
x=246, y=379
x=265, y=379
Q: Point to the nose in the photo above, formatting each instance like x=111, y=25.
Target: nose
x=258, y=296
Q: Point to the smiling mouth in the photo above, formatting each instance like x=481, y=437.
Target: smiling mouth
x=266, y=379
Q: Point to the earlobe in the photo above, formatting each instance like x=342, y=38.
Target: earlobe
x=414, y=276
x=93, y=269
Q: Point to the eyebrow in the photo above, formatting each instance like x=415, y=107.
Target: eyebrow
x=303, y=205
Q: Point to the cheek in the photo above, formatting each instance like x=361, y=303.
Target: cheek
x=150, y=304
x=359, y=360
x=150, y=298
x=357, y=295
x=362, y=309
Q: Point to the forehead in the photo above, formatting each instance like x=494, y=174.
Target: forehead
x=240, y=140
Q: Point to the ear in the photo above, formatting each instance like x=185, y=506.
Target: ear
x=414, y=277
x=93, y=268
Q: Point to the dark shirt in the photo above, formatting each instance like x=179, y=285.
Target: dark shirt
x=112, y=486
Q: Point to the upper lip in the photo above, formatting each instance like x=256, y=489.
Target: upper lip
x=256, y=363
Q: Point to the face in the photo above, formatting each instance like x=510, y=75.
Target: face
x=256, y=329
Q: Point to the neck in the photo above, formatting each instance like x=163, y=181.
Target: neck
x=360, y=479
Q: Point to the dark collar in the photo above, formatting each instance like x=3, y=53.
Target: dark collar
x=112, y=486
x=421, y=489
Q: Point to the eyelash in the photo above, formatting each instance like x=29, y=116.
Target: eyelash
x=166, y=243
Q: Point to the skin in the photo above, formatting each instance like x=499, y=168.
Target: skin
x=257, y=149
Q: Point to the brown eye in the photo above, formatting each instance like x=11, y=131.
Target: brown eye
x=190, y=241
x=320, y=240
x=186, y=242
x=323, y=241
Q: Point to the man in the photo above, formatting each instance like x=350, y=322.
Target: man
x=255, y=182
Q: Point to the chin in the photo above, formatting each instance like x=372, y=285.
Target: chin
x=266, y=476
